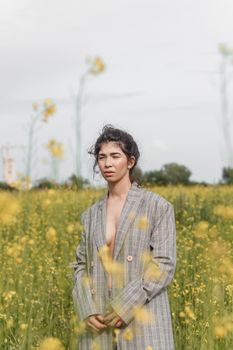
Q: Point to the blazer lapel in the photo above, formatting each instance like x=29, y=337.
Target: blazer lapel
x=127, y=217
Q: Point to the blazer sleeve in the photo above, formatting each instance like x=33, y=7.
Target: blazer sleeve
x=142, y=290
x=82, y=297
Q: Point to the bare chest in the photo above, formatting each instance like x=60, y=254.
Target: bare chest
x=113, y=213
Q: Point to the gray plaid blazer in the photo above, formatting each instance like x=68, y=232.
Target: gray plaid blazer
x=90, y=291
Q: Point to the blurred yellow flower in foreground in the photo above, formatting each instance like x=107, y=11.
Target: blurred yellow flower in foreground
x=152, y=271
x=51, y=235
x=146, y=257
x=110, y=265
x=143, y=315
x=85, y=280
x=223, y=325
x=80, y=328
x=9, y=208
x=116, y=334
x=55, y=148
x=220, y=331
x=201, y=230
x=187, y=313
x=128, y=334
x=143, y=222
x=95, y=346
x=51, y=343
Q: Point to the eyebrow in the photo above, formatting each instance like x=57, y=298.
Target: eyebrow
x=104, y=154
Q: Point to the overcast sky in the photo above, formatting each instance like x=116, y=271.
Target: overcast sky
x=161, y=82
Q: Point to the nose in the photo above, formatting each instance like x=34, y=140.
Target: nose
x=107, y=162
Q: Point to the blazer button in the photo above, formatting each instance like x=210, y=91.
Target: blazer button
x=129, y=258
x=93, y=291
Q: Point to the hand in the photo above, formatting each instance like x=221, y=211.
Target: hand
x=112, y=319
x=95, y=322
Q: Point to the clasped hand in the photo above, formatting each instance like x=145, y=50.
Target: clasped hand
x=99, y=322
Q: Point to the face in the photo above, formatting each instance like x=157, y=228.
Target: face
x=113, y=162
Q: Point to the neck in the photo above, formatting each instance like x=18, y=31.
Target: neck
x=119, y=189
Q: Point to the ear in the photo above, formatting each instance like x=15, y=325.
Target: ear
x=131, y=162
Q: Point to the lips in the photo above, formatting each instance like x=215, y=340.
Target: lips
x=108, y=172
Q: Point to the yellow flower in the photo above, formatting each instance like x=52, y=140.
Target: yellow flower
x=23, y=327
x=110, y=266
x=143, y=222
x=145, y=257
x=153, y=273
x=220, y=331
x=95, y=345
x=116, y=334
x=7, y=296
x=80, y=328
x=128, y=334
x=201, y=230
x=223, y=325
x=49, y=109
x=55, y=148
x=97, y=66
x=51, y=343
x=51, y=235
x=58, y=150
x=70, y=228
x=189, y=312
x=86, y=281
x=143, y=315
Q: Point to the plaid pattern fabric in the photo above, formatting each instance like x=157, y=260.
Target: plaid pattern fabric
x=146, y=224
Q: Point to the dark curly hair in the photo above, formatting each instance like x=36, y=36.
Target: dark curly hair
x=126, y=143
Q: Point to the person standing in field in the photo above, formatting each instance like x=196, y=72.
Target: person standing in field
x=126, y=257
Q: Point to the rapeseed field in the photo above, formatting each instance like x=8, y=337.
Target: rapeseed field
x=39, y=232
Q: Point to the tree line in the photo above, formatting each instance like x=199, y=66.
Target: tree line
x=169, y=174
